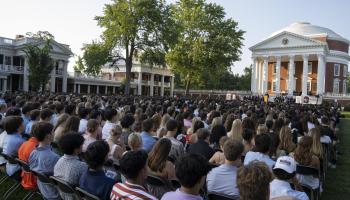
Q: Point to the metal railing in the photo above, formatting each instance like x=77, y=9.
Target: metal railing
x=11, y=68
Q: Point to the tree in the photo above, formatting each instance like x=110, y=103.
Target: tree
x=40, y=63
x=207, y=43
x=130, y=26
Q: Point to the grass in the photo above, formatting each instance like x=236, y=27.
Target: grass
x=338, y=180
x=346, y=114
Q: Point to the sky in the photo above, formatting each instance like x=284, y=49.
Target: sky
x=72, y=21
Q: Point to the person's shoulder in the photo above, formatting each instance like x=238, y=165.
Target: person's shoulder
x=299, y=195
x=169, y=195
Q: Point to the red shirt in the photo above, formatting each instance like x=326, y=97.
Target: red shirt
x=28, y=179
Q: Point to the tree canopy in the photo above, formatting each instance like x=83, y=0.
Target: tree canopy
x=40, y=63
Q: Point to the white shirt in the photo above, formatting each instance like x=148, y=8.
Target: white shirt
x=83, y=125
x=326, y=139
x=2, y=140
x=279, y=188
x=222, y=180
x=106, y=129
x=251, y=156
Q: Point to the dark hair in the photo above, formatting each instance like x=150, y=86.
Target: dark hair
x=41, y=129
x=233, y=149
x=248, y=123
x=83, y=112
x=96, y=153
x=217, y=132
x=132, y=163
x=59, y=107
x=197, y=125
x=190, y=169
x=26, y=108
x=69, y=109
x=95, y=113
x=12, y=124
x=92, y=125
x=262, y=143
x=147, y=125
x=269, y=124
x=159, y=155
x=248, y=134
x=34, y=114
x=110, y=113
x=282, y=175
x=45, y=113
x=171, y=125
x=72, y=124
x=127, y=120
x=203, y=133
x=13, y=112
x=70, y=141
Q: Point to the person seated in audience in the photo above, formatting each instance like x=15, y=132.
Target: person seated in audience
x=236, y=130
x=34, y=117
x=253, y=181
x=94, y=180
x=191, y=136
x=111, y=115
x=116, y=144
x=260, y=151
x=97, y=115
x=69, y=168
x=316, y=148
x=14, y=126
x=217, y=132
x=247, y=135
x=59, y=127
x=191, y=170
x=59, y=111
x=284, y=172
x=90, y=135
x=202, y=147
x=26, y=113
x=219, y=158
x=286, y=144
x=83, y=115
x=24, y=151
x=126, y=122
x=43, y=159
x=162, y=130
x=222, y=179
x=177, y=148
x=46, y=115
x=133, y=166
x=148, y=140
x=303, y=156
x=134, y=142
x=71, y=125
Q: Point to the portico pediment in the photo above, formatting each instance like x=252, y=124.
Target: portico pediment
x=286, y=40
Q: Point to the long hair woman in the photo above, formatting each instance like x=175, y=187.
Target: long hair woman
x=316, y=148
x=59, y=127
x=236, y=130
x=286, y=144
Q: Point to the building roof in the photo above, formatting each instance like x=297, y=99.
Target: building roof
x=309, y=30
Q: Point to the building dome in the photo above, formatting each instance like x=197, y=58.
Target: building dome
x=309, y=30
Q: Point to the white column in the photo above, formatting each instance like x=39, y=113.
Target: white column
x=258, y=76
x=106, y=89
x=253, y=80
x=75, y=88
x=278, y=74
x=113, y=90
x=139, y=84
x=4, y=85
x=162, y=87
x=291, y=71
x=265, y=74
x=97, y=89
x=88, y=89
x=25, y=76
x=151, y=91
x=172, y=86
x=65, y=77
x=305, y=75
x=53, y=80
x=320, y=74
x=78, y=88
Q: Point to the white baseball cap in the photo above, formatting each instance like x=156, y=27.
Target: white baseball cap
x=286, y=163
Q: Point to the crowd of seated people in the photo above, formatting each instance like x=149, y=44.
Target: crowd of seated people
x=114, y=146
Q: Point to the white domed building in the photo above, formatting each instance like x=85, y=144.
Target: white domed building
x=301, y=59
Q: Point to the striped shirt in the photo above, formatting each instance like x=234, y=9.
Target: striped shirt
x=128, y=191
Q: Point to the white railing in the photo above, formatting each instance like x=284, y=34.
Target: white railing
x=11, y=68
x=6, y=41
x=167, y=84
x=329, y=94
x=219, y=92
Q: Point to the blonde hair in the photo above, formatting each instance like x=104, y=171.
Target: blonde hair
x=316, y=142
x=261, y=129
x=216, y=121
x=165, y=120
x=194, y=120
x=286, y=142
x=236, y=130
x=134, y=141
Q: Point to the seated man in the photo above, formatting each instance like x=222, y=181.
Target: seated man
x=133, y=166
x=94, y=179
x=222, y=179
x=177, y=148
x=43, y=159
x=202, y=147
x=284, y=172
x=260, y=151
x=147, y=138
x=69, y=168
x=191, y=170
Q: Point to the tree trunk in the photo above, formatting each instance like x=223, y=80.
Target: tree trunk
x=188, y=83
x=128, y=66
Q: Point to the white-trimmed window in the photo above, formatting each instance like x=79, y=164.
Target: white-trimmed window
x=273, y=86
x=308, y=85
x=309, y=68
x=336, y=86
x=274, y=68
x=345, y=86
x=336, y=69
x=345, y=71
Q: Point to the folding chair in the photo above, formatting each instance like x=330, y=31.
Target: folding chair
x=86, y=195
x=65, y=187
x=25, y=167
x=158, y=186
x=44, y=179
x=4, y=175
x=17, y=183
x=217, y=196
x=310, y=171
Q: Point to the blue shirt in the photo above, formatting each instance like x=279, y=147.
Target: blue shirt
x=11, y=145
x=222, y=180
x=148, y=141
x=25, y=120
x=96, y=183
x=43, y=160
x=29, y=127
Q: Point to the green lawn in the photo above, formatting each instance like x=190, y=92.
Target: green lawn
x=346, y=114
x=338, y=180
